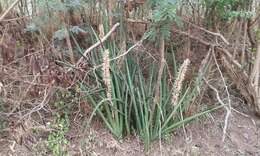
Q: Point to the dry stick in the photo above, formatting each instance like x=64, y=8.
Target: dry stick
x=244, y=44
x=131, y=48
x=237, y=39
x=188, y=46
x=161, y=67
x=67, y=37
x=162, y=63
x=137, y=21
x=15, y=19
x=48, y=94
x=2, y=38
x=18, y=104
x=97, y=44
x=110, y=8
x=255, y=21
x=157, y=89
x=8, y=10
x=72, y=58
x=250, y=37
x=245, y=115
x=222, y=103
x=233, y=26
x=123, y=54
x=225, y=51
x=210, y=32
x=229, y=101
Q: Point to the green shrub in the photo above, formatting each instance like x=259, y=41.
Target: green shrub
x=57, y=141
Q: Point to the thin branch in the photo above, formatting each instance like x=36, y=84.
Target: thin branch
x=159, y=77
x=228, y=108
x=121, y=55
x=97, y=44
x=15, y=19
x=48, y=92
x=18, y=104
x=8, y=10
x=225, y=51
x=223, y=104
x=243, y=59
x=161, y=67
x=67, y=34
x=210, y=32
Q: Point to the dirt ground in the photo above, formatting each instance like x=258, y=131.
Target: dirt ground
x=201, y=137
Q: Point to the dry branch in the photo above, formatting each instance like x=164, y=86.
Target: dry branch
x=8, y=10
x=159, y=77
x=97, y=44
x=224, y=105
x=236, y=72
x=255, y=79
x=228, y=107
x=225, y=51
x=242, y=82
x=210, y=32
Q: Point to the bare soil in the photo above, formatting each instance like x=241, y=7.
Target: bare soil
x=200, y=137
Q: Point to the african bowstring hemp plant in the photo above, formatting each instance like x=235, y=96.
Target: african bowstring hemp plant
x=124, y=97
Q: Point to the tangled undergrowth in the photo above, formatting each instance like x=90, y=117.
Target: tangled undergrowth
x=142, y=67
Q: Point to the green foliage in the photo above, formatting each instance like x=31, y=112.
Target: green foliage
x=225, y=9
x=55, y=5
x=61, y=34
x=50, y=11
x=57, y=141
x=31, y=27
x=3, y=123
x=163, y=15
x=243, y=14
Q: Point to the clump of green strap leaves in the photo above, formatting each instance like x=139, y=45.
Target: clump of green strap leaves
x=133, y=88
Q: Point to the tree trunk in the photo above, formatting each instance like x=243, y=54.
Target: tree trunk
x=255, y=75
